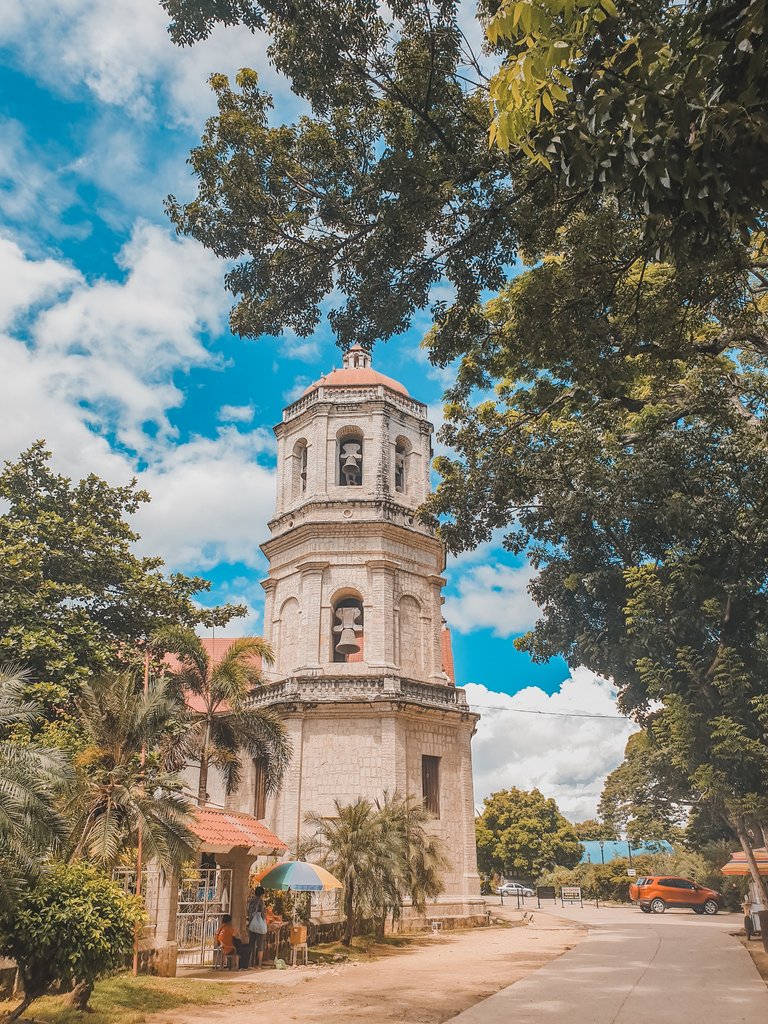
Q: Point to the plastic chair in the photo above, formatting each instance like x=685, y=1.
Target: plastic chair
x=300, y=949
x=224, y=961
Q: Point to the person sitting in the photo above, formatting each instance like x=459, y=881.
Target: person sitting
x=231, y=943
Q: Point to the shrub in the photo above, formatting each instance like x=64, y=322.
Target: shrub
x=71, y=926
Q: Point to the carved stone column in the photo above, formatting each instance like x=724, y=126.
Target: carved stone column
x=311, y=602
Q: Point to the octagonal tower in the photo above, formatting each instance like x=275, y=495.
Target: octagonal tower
x=363, y=675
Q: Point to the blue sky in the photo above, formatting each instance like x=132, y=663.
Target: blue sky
x=115, y=349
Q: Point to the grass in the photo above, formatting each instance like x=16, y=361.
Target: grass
x=129, y=1000
x=364, y=948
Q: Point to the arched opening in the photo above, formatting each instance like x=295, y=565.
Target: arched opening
x=349, y=460
x=410, y=637
x=300, y=463
x=347, y=630
x=403, y=449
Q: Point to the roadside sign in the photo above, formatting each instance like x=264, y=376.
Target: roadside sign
x=546, y=892
x=632, y=872
x=570, y=894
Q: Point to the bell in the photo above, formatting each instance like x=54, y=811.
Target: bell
x=347, y=642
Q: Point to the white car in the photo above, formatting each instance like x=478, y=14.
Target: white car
x=514, y=889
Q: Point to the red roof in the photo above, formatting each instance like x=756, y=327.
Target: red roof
x=357, y=377
x=220, y=831
x=215, y=648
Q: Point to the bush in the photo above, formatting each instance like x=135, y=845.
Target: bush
x=71, y=926
x=611, y=882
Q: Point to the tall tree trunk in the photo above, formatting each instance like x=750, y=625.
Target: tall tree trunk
x=754, y=870
x=202, y=782
x=15, y=1014
x=349, y=910
x=81, y=994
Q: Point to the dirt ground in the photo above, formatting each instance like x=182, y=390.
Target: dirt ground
x=425, y=983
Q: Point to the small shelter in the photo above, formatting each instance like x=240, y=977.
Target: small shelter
x=184, y=912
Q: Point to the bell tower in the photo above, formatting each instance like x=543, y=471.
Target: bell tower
x=363, y=674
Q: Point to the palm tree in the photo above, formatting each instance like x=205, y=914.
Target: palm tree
x=356, y=850
x=31, y=779
x=123, y=782
x=221, y=721
x=419, y=856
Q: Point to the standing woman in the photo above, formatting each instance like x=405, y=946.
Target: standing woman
x=257, y=925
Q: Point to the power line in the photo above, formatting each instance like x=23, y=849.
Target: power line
x=553, y=714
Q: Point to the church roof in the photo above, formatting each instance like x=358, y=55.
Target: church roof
x=215, y=648
x=357, y=372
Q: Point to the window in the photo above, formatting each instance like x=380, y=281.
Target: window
x=259, y=789
x=347, y=633
x=430, y=783
x=351, y=461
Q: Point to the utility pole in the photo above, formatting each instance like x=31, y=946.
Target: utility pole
x=139, y=839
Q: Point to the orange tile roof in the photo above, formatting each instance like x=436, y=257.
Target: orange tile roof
x=220, y=831
x=356, y=377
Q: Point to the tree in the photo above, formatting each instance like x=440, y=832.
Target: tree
x=356, y=849
x=414, y=857
x=522, y=833
x=31, y=780
x=592, y=829
x=220, y=721
x=608, y=402
x=627, y=446
x=664, y=105
x=75, y=601
x=124, y=784
x=385, y=189
x=73, y=925
x=641, y=798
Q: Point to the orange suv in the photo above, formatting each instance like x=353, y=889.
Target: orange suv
x=656, y=893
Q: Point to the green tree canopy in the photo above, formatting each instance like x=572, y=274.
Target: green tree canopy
x=75, y=599
x=664, y=104
x=73, y=925
x=642, y=798
x=32, y=779
x=221, y=722
x=523, y=834
x=124, y=784
x=385, y=188
x=592, y=829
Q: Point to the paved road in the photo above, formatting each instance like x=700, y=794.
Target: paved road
x=634, y=968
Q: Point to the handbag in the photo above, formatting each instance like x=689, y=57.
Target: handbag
x=258, y=924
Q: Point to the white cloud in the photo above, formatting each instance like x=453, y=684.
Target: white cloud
x=26, y=283
x=91, y=358
x=237, y=413
x=211, y=500
x=493, y=597
x=120, y=50
x=296, y=390
x=114, y=346
x=566, y=758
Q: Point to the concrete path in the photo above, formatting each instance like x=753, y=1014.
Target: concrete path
x=634, y=968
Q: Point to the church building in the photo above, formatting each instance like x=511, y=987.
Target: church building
x=363, y=676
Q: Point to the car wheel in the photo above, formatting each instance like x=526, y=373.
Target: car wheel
x=646, y=910
x=698, y=910
x=711, y=907
x=658, y=906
